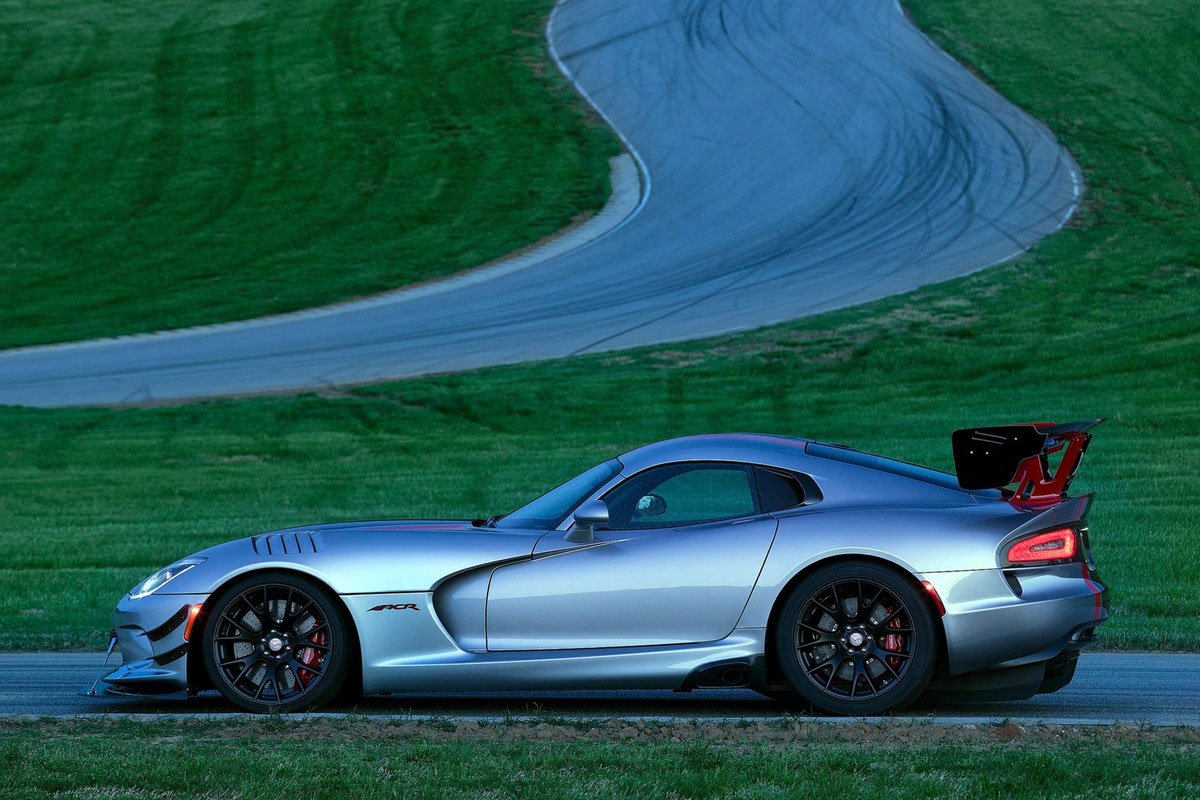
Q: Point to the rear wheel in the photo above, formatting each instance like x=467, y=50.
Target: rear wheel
x=856, y=638
x=276, y=642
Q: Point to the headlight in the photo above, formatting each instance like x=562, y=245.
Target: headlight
x=164, y=576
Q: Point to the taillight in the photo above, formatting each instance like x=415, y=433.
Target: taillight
x=1053, y=545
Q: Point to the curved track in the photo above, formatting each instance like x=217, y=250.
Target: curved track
x=798, y=156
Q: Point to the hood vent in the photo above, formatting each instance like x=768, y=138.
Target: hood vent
x=287, y=544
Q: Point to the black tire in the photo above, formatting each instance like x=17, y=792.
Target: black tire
x=276, y=642
x=856, y=638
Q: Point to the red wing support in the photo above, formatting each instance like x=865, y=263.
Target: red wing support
x=1035, y=481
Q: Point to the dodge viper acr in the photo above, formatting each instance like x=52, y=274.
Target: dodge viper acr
x=804, y=570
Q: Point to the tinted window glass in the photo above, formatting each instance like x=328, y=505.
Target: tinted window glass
x=681, y=494
x=549, y=509
x=778, y=491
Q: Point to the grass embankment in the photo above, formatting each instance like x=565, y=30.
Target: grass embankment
x=180, y=163
x=363, y=758
x=1100, y=319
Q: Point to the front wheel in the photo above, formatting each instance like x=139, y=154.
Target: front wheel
x=276, y=642
x=856, y=638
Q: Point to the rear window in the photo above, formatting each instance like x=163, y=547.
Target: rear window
x=890, y=465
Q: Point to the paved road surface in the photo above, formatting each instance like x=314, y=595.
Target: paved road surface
x=802, y=155
x=1139, y=688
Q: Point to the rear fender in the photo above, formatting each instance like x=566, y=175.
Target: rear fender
x=914, y=540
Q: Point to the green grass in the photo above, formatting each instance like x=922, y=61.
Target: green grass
x=181, y=162
x=352, y=759
x=1099, y=319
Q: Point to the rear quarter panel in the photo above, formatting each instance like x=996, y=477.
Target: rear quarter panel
x=917, y=539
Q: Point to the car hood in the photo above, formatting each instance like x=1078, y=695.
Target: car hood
x=405, y=525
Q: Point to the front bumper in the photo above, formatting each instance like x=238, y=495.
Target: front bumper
x=150, y=633
x=998, y=620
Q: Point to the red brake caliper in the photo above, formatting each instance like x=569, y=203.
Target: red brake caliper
x=311, y=657
x=893, y=642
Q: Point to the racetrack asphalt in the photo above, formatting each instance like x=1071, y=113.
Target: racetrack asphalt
x=796, y=156
x=1138, y=688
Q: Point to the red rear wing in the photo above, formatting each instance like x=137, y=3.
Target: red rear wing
x=993, y=458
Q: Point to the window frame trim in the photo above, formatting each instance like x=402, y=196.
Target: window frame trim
x=805, y=482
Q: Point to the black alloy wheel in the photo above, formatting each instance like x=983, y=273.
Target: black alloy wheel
x=276, y=642
x=856, y=638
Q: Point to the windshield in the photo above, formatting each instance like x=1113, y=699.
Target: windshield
x=550, y=509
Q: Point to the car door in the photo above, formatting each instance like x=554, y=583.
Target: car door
x=676, y=564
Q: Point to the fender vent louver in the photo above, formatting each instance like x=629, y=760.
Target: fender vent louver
x=287, y=544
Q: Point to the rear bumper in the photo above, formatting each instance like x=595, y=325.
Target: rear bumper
x=150, y=634
x=999, y=619
x=1007, y=683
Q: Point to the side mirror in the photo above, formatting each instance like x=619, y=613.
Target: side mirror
x=588, y=517
x=651, y=505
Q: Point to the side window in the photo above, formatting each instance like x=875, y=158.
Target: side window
x=778, y=490
x=681, y=494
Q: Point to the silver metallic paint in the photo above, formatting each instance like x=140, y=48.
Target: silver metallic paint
x=634, y=588
x=371, y=557
x=461, y=604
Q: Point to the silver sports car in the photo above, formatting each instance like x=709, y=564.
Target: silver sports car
x=803, y=570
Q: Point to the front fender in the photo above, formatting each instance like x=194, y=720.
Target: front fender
x=370, y=560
